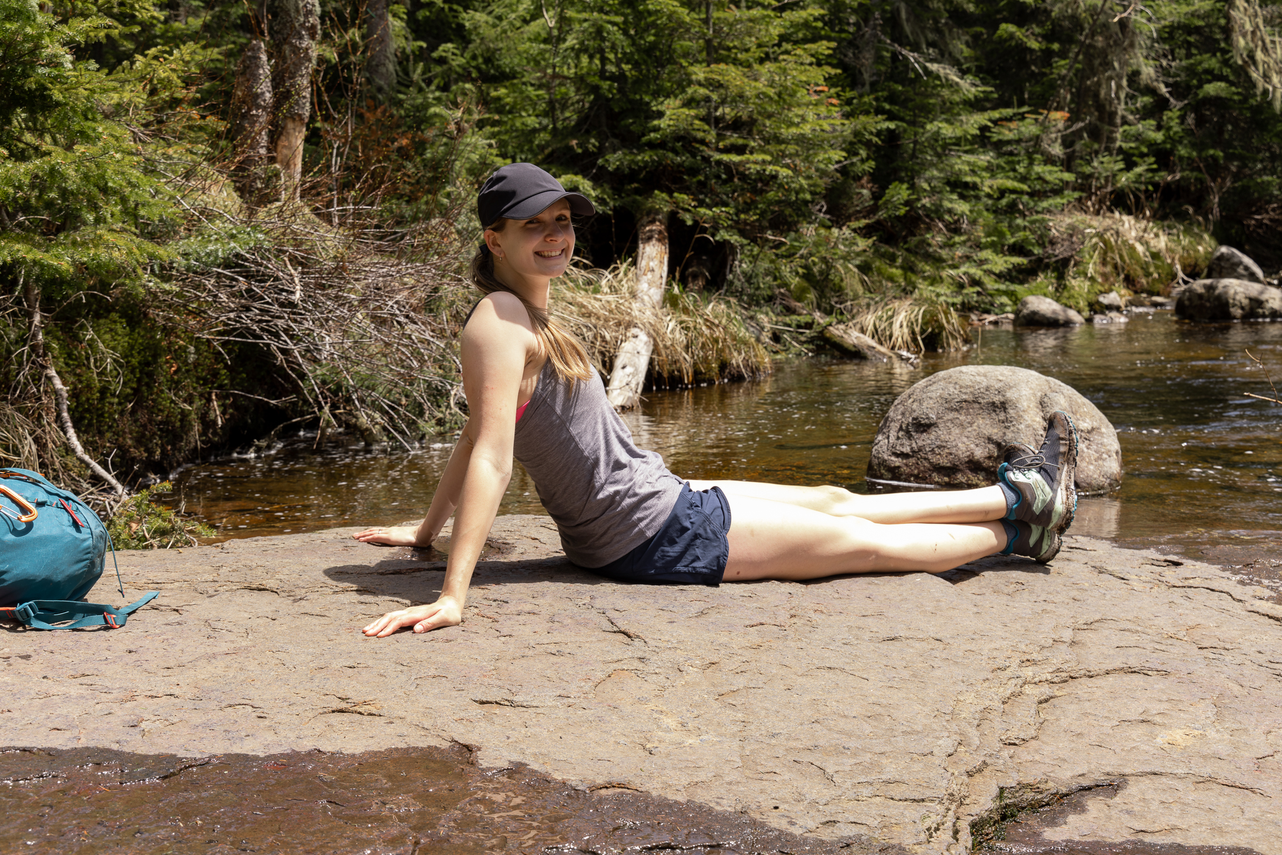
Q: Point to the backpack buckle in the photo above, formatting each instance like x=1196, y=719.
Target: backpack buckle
x=26, y=612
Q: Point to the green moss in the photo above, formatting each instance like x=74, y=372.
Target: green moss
x=1011, y=804
x=141, y=523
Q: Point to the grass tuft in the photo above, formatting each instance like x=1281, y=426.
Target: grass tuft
x=696, y=339
x=911, y=324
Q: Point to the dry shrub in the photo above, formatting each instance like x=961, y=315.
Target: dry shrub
x=35, y=443
x=20, y=439
x=361, y=328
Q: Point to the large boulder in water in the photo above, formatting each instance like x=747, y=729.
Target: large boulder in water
x=1034, y=311
x=951, y=429
x=1229, y=263
x=1228, y=300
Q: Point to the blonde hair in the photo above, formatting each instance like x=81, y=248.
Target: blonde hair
x=569, y=358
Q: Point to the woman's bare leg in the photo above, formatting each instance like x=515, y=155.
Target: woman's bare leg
x=781, y=540
x=984, y=504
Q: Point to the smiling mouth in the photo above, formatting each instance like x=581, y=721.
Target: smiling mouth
x=549, y=253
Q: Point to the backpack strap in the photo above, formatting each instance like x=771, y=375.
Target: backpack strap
x=51, y=614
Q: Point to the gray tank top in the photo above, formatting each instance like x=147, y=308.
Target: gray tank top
x=605, y=495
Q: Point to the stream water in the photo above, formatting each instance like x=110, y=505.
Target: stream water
x=1202, y=459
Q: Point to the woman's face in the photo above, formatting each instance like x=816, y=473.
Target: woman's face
x=537, y=248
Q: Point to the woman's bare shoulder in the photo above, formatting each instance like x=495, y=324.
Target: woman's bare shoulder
x=499, y=332
x=495, y=315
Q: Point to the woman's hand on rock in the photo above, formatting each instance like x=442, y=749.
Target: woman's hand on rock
x=391, y=535
x=444, y=612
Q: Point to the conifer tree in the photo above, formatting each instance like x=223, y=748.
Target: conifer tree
x=76, y=199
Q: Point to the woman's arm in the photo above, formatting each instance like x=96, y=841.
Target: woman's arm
x=497, y=344
x=444, y=500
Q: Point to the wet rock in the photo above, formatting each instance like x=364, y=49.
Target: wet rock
x=400, y=800
x=1110, y=302
x=896, y=707
x=1036, y=311
x=951, y=429
x=1229, y=263
x=1228, y=300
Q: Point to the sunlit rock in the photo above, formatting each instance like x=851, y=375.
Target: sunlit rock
x=1229, y=263
x=1111, y=302
x=1044, y=312
x=951, y=429
x=1228, y=300
x=891, y=713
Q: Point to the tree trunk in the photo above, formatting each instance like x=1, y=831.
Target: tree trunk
x=630, y=365
x=380, y=52
x=251, y=106
x=31, y=294
x=295, y=28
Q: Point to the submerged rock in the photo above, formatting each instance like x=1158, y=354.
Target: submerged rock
x=898, y=710
x=1228, y=300
x=1036, y=311
x=951, y=429
x=1230, y=263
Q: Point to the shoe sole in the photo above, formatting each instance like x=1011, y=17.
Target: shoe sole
x=1069, y=474
x=1048, y=557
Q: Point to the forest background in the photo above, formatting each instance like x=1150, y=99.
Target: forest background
x=223, y=219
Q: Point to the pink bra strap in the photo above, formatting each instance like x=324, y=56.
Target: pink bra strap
x=520, y=411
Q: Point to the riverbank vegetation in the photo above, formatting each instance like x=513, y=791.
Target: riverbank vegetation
x=219, y=219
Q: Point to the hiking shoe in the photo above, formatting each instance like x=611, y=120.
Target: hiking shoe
x=1039, y=544
x=1042, y=483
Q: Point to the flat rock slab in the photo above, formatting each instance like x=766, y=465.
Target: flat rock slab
x=905, y=708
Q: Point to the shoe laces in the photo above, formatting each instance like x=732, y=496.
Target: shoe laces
x=1032, y=461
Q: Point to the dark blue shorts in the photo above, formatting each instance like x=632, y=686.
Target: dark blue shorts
x=690, y=549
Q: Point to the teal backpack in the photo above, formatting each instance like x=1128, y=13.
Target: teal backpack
x=53, y=549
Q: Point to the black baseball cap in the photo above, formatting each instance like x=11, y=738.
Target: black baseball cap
x=521, y=190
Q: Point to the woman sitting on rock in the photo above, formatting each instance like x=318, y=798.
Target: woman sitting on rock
x=532, y=393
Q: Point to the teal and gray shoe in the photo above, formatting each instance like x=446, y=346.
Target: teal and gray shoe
x=1039, y=544
x=1040, y=486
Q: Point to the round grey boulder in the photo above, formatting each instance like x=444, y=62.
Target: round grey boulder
x=951, y=429
x=1229, y=263
x=1228, y=300
x=1045, y=312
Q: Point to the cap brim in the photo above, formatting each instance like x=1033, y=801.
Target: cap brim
x=540, y=202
